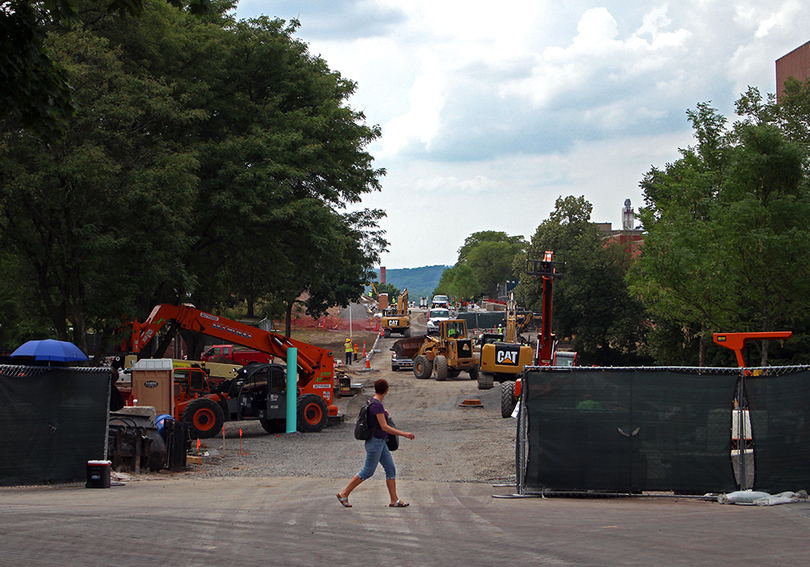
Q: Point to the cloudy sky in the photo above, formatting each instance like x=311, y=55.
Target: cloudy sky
x=490, y=111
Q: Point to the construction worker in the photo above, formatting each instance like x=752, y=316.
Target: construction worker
x=356, y=350
x=349, y=351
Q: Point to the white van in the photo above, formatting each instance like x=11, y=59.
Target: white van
x=434, y=316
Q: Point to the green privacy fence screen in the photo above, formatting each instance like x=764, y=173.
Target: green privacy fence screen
x=52, y=421
x=630, y=430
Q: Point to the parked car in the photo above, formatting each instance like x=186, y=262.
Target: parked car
x=440, y=301
x=400, y=362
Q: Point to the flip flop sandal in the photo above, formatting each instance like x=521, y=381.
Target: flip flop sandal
x=344, y=501
x=399, y=504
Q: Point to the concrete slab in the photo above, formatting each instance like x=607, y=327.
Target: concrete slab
x=298, y=521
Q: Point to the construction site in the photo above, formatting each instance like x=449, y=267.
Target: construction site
x=539, y=461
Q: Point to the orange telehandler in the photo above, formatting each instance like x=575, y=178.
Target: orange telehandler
x=546, y=354
x=259, y=390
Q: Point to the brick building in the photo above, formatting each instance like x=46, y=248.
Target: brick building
x=794, y=64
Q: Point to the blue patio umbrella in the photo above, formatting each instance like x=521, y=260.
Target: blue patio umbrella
x=50, y=350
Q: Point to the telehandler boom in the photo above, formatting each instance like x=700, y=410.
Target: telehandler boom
x=315, y=368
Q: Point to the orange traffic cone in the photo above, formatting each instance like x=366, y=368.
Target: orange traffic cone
x=368, y=362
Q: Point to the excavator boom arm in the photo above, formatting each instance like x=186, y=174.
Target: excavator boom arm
x=402, y=303
x=315, y=362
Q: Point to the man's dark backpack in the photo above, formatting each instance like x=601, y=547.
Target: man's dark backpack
x=363, y=430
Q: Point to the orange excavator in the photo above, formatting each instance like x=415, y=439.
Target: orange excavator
x=259, y=390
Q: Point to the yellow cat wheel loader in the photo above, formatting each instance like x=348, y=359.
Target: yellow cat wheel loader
x=446, y=354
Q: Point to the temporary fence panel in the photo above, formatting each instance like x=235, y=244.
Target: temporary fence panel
x=52, y=421
x=483, y=319
x=626, y=430
x=779, y=405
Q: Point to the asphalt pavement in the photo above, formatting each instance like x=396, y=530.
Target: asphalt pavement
x=180, y=520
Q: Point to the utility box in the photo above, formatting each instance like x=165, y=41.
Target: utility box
x=152, y=380
x=98, y=474
x=382, y=301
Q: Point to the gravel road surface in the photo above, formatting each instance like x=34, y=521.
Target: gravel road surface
x=453, y=443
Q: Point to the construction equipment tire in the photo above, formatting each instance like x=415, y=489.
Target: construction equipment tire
x=312, y=413
x=508, y=400
x=474, y=373
x=485, y=380
x=387, y=333
x=274, y=425
x=204, y=418
x=422, y=367
x=441, y=368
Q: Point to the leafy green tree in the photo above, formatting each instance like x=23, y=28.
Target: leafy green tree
x=209, y=161
x=591, y=303
x=35, y=89
x=478, y=238
x=484, y=262
x=791, y=115
x=459, y=282
x=445, y=285
x=91, y=217
x=277, y=172
x=491, y=264
x=674, y=277
x=465, y=285
x=392, y=291
x=21, y=318
x=274, y=181
x=727, y=230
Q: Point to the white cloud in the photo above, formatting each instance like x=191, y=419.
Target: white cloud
x=421, y=122
x=490, y=111
x=597, y=30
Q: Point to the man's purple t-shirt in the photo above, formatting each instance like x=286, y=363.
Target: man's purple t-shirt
x=374, y=410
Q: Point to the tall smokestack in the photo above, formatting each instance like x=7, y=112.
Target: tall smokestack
x=382, y=274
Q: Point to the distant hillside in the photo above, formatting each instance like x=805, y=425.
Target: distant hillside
x=420, y=281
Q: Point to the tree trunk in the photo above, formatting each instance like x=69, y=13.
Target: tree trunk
x=288, y=318
x=56, y=312
x=702, y=357
x=767, y=325
x=163, y=346
x=80, y=332
x=195, y=343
